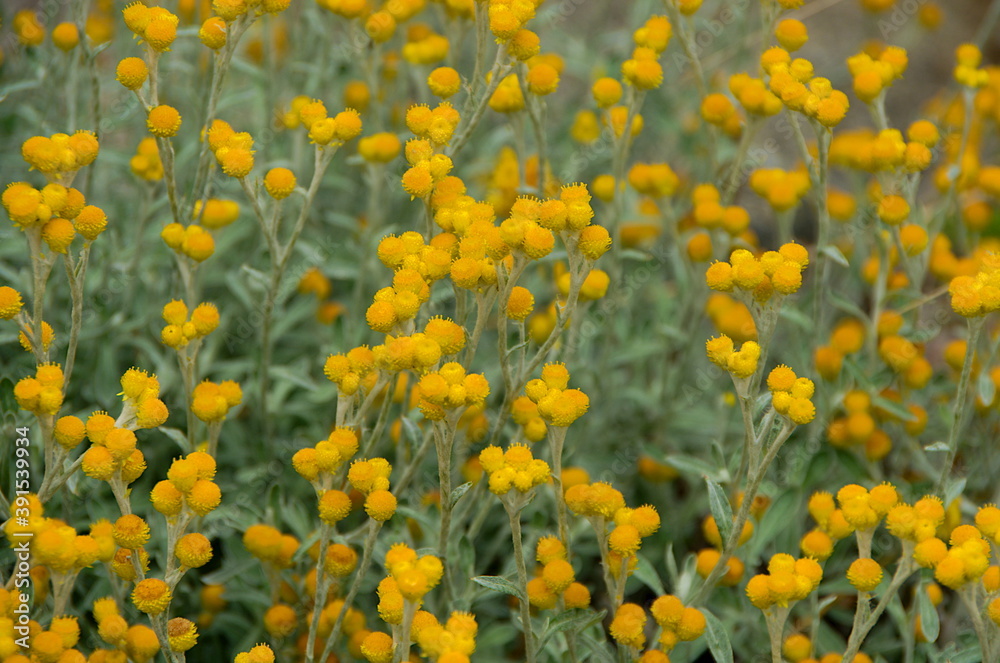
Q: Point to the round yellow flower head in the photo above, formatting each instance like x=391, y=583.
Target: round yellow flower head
x=132, y=72
x=212, y=33
x=151, y=596
x=163, y=121
x=444, y=82
x=193, y=550
x=629, y=626
x=279, y=183
x=182, y=634
x=865, y=574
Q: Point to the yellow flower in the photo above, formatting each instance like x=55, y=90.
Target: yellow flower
x=163, y=121
x=380, y=505
x=628, y=628
x=377, y=647
x=182, y=634
x=193, y=550
x=865, y=574
x=130, y=531
x=151, y=596
x=279, y=183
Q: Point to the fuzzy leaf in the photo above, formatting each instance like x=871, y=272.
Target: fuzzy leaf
x=717, y=638
x=499, y=584
x=721, y=510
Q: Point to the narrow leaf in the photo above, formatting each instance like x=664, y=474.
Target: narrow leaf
x=721, y=511
x=929, y=622
x=717, y=638
x=648, y=576
x=456, y=494
x=499, y=584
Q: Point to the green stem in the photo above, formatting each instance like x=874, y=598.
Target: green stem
x=513, y=514
x=961, y=402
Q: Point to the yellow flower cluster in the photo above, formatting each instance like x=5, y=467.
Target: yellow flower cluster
x=775, y=271
x=599, y=501
x=138, y=642
x=859, y=425
x=966, y=560
x=146, y=163
x=433, y=129
x=709, y=213
x=525, y=414
x=327, y=131
x=642, y=71
x=631, y=527
x=555, y=578
x=58, y=547
x=233, y=151
x=409, y=252
x=450, y=387
x=740, y=363
x=787, y=580
x=793, y=82
x=316, y=463
x=974, y=296
x=900, y=354
x=507, y=97
x=656, y=180
x=270, y=546
x=371, y=478
x=191, y=240
x=863, y=509
x=382, y=147
x=393, y=307
x=29, y=30
x=43, y=393
x=426, y=168
x=141, y=395
x=508, y=17
x=181, y=329
x=782, y=189
x=60, y=155
x=754, y=95
x=424, y=46
x=968, y=57
x=628, y=628
x=113, y=451
x=557, y=405
x=452, y=642
x=156, y=26
x=791, y=395
x=846, y=338
x=211, y=401
x=679, y=623
x=259, y=653
x=717, y=109
x=57, y=643
x=352, y=369
x=886, y=150
x=872, y=75
x=412, y=575
x=516, y=468
x=188, y=485
x=731, y=317
x=218, y=213
x=57, y=212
